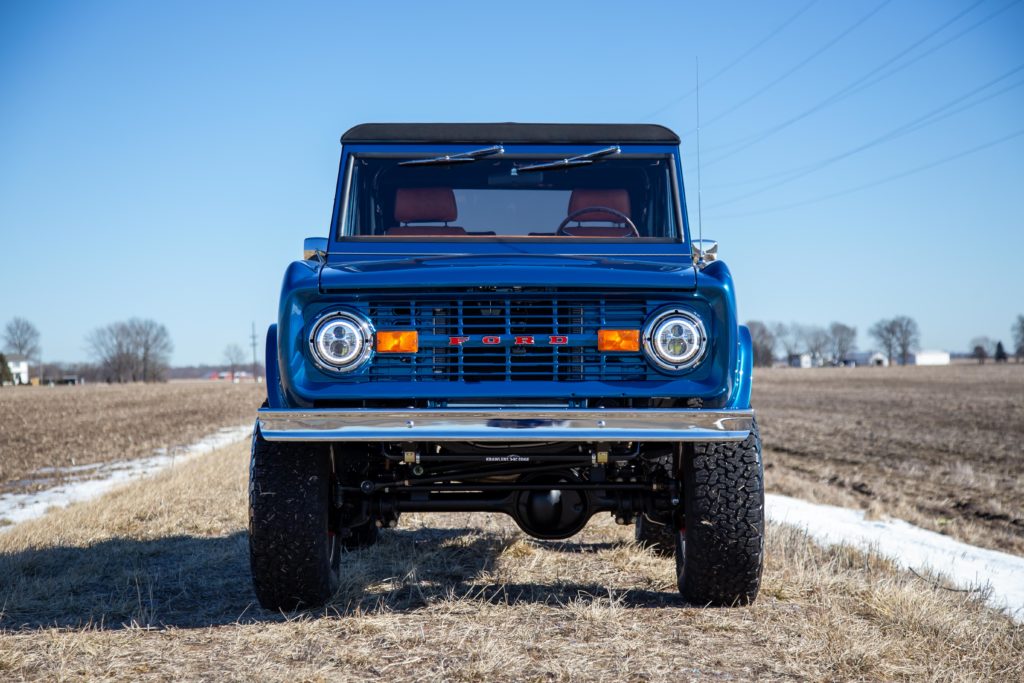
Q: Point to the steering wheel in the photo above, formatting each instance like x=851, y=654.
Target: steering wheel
x=606, y=209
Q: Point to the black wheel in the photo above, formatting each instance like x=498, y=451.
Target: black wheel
x=293, y=554
x=720, y=550
x=658, y=535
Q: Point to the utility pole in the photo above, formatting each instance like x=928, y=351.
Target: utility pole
x=254, y=376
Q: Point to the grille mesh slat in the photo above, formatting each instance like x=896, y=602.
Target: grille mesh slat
x=508, y=314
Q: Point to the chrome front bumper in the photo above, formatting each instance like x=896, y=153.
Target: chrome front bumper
x=504, y=425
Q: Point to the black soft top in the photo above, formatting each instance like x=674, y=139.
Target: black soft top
x=509, y=133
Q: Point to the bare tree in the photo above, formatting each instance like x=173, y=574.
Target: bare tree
x=1018, y=338
x=22, y=337
x=790, y=339
x=152, y=347
x=907, y=336
x=982, y=348
x=816, y=341
x=980, y=352
x=111, y=346
x=132, y=351
x=884, y=332
x=764, y=343
x=234, y=356
x=843, y=339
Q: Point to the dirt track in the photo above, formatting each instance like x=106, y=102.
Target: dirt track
x=942, y=447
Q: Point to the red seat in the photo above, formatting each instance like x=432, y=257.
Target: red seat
x=597, y=199
x=612, y=199
x=425, y=205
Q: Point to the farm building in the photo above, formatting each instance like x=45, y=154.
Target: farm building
x=19, y=368
x=805, y=360
x=930, y=357
x=800, y=360
x=872, y=358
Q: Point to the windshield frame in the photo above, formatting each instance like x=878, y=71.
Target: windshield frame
x=341, y=218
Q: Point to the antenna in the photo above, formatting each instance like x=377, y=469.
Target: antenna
x=700, y=221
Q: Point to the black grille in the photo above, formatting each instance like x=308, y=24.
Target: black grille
x=507, y=316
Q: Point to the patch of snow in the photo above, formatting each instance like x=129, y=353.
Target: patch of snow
x=909, y=546
x=18, y=507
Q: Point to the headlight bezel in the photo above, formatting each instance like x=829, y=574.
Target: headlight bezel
x=356, y=322
x=651, y=345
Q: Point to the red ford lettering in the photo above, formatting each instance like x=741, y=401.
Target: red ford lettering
x=558, y=339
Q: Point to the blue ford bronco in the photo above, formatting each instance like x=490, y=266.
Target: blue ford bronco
x=507, y=318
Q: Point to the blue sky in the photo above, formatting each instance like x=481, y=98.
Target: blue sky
x=166, y=160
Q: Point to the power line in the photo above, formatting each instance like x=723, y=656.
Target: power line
x=804, y=62
x=778, y=29
x=836, y=96
x=934, y=116
x=880, y=181
x=863, y=82
x=888, y=137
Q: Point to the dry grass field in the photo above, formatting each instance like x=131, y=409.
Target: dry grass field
x=64, y=426
x=942, y=447
x=151, y=583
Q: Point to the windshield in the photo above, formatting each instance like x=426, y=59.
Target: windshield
x=615, y=197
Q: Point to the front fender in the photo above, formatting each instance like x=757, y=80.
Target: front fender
x=275, y=395
x=744, y=371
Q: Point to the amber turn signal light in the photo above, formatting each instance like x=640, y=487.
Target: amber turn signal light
x=398, y=341
x=618, y=340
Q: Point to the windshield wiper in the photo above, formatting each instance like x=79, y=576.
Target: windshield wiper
x=569, y=162
x=460, y=158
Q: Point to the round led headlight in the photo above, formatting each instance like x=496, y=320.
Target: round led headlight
x=675, y=340
x=341, y=341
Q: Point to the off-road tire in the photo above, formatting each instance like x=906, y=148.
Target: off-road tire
x=294, y=560
x=720, y=552
x=658, y=535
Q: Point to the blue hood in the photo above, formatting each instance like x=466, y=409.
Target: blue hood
x=350, y=271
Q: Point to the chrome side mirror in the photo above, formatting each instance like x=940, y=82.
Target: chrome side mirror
x=704, y=252
x=314, y=248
